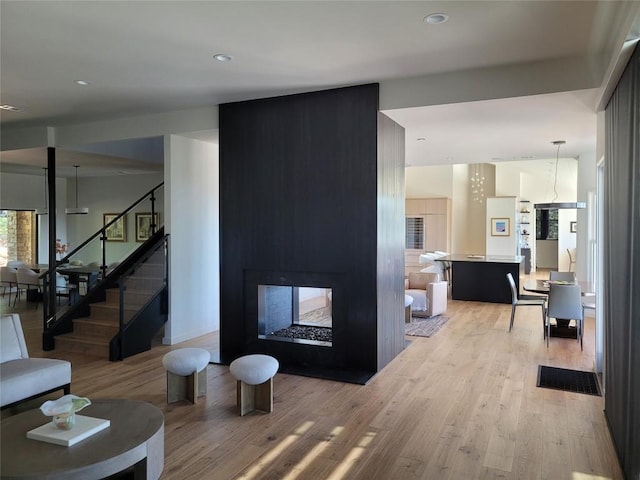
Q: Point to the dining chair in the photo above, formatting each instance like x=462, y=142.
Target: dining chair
x=562, y=276
x=565, y=302
x=9, y=279
x=572, y=257
x=29, y=280
x=524, y=300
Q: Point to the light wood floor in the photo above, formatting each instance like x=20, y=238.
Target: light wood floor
x=460, y=405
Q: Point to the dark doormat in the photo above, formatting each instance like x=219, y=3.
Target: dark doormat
x=568, y=380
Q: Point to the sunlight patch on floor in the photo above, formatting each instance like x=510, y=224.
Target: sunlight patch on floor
x=586, y=476
x=356, y=452
x=275, y=451
x=313, y=454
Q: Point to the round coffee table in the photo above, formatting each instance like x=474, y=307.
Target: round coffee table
x=135, y=439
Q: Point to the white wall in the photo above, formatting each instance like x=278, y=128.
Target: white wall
x=566, y=239
x=547, y=254
x=502, y=207
x=429, y=182
x=585, y=237
x=192, y=220
x=461, y=240
x=108, y=195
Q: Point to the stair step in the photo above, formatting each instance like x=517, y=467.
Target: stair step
x=93, y=328
x=72, y=342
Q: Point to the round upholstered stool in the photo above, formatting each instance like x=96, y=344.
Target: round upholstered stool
x=408, y=301
x=254, y=374
x=186, y=373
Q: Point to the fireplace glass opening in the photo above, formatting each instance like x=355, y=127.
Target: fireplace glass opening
x=295, y=314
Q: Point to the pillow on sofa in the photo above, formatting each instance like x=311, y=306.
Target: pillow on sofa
x=12, y=343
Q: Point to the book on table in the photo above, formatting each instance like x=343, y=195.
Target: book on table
x=83, y=428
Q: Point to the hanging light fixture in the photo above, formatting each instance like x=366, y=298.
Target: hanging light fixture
x=553, y=204
x=76, y=210
x=476, y=177
x=45, y=210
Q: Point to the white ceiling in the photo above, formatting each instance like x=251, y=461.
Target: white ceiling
x=520, y=128
x=144, y=57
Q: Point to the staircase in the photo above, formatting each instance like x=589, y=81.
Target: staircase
x=122, y=312
x=91, y=335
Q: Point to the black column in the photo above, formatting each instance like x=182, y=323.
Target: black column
x=51, y=183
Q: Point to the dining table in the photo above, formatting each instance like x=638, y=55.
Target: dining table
x=537, y=285
x=77, y=274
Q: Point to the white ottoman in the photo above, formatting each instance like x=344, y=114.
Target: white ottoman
x=186, y=373
x=408, y=301
x=254, y=374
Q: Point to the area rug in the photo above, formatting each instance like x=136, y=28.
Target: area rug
x=424, y=327
x=568, y=380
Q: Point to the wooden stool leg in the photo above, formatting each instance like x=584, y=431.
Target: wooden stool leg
x=263, y=396
x=255, y=397
x=176, y=387
x=186, y=388
x=191, y=391
x=246, y=398
x=202, y=382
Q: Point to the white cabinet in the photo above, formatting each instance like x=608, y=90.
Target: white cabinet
x=427, y=229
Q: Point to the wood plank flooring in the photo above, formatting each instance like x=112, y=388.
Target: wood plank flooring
x=462, y=404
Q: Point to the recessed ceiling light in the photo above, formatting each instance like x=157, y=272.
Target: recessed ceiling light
x=84, y=83
x=11, y=108
x=436, y=18
x=222, y=57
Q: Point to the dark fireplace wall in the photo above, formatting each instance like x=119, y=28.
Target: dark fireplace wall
x=307, y=189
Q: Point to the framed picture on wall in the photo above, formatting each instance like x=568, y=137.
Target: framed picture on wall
x=118, y=231
x=500, y=227
x=143, y=225
x=572, y=227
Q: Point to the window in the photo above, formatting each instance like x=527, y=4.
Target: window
x=414, y=233
x=547, y=224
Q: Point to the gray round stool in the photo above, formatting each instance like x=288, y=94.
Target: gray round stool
x=254, y=374
x=186, y=373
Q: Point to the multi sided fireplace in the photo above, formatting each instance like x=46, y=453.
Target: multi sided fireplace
x=292, y=313
x=293, y=202
x=302, y=319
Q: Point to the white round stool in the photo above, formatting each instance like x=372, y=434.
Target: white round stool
x=186, y=373
x=408, y=301
x=254, y=374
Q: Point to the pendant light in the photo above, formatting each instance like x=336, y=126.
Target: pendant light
x=77, y=210
x=45, y=210
x=553, y=204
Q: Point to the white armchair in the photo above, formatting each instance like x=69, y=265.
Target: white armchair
x=429, y=293
x=22, y=377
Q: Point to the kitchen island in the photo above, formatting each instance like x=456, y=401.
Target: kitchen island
x=483, y=278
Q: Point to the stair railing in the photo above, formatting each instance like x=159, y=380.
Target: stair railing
x=101, y=252
x=143, y=293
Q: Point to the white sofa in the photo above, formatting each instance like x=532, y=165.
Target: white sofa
x=21, y=377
